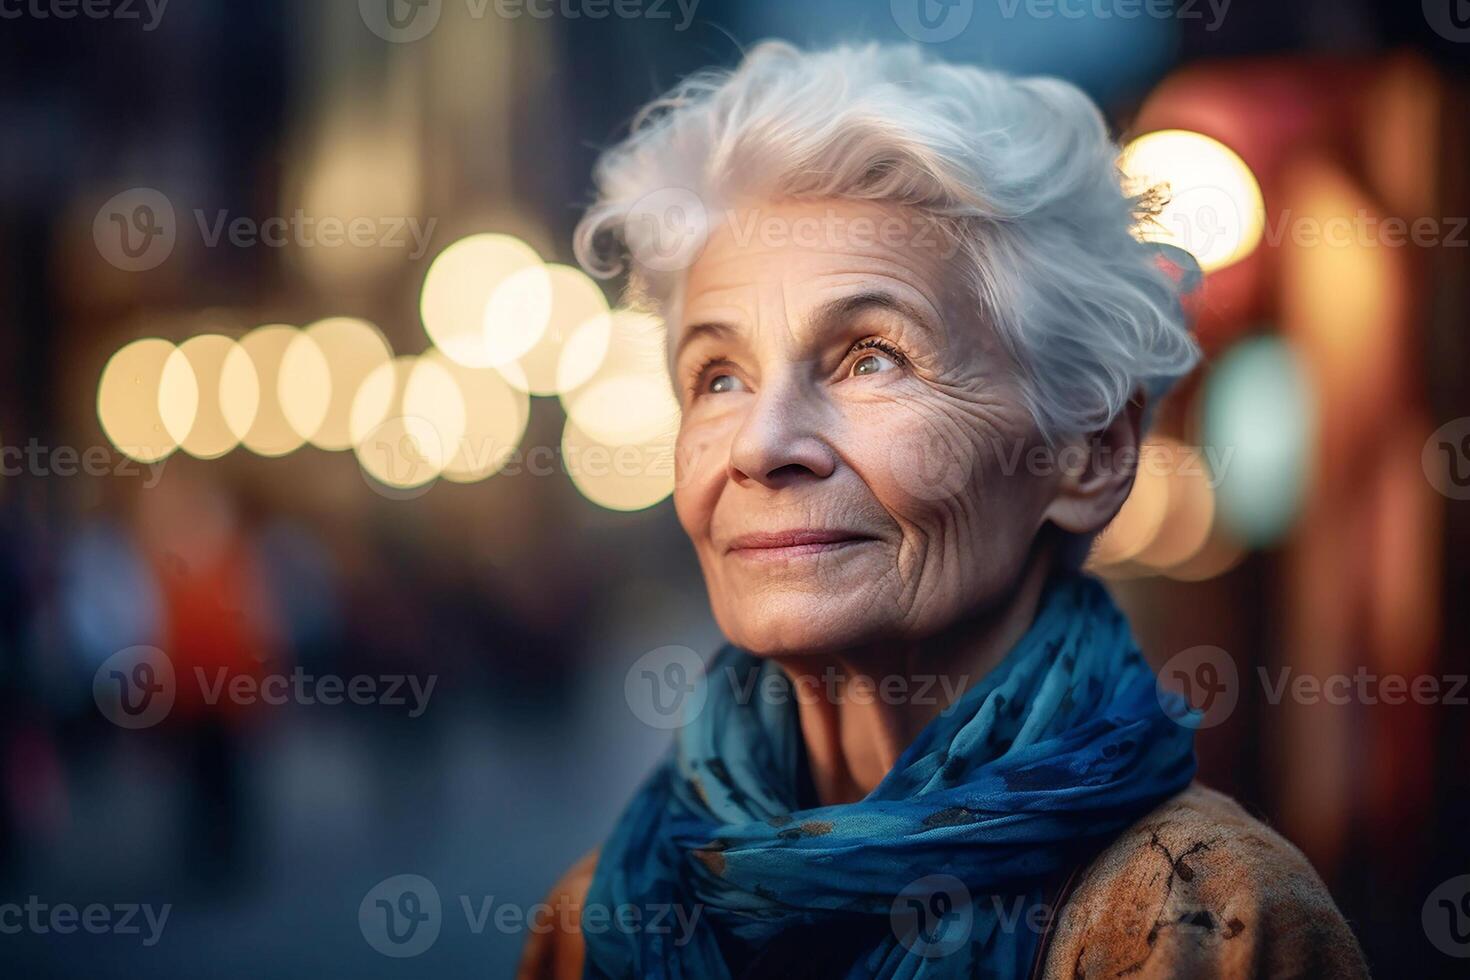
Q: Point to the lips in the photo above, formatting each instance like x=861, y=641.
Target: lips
x=776, y=545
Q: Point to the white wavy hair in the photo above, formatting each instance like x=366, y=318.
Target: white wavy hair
x=1020, y=172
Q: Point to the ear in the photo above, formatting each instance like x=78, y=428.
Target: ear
x=1097, y=473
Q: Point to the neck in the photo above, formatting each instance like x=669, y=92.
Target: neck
x=860, y=708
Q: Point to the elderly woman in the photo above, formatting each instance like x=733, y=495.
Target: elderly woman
x=915, y=342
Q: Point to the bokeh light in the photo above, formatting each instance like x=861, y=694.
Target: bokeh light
x=321, y=372
x=229, y=394
x=432, y=395
x=398, y=450
x=1219, y=554
x=1214, y=207
x=147, y=399
x=626, y=398
x=1140, y=517
x=486, y=300
x=517, y=314
x=585, y=349
x=1190, y=510
x=358, y=163
x=1344, y=291
x=481, y=404
x=576, y=299
x=619, y=476
x=270, y=434
x=304, y=385
x=1258, y=419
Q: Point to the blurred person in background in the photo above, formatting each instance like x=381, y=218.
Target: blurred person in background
x=916, y=352
x=219, y=628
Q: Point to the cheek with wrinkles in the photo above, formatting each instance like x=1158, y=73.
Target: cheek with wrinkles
x=701, y=456
x=919, y=454
x=938, y=464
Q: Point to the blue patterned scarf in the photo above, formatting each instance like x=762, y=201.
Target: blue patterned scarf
x=938, y=871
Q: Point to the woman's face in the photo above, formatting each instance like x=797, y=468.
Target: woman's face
x=854, y=452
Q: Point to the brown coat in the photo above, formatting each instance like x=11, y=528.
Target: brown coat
x=1195, y=889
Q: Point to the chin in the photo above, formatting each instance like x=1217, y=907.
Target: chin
x=797, y=623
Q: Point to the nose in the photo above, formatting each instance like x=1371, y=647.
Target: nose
x=780, y=440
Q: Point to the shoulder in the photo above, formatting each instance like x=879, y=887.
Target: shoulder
x=556, y=952
x=1200, y=888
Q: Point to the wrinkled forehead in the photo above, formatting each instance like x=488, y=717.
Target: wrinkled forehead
x=776, y=264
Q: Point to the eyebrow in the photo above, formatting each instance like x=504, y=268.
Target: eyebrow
x=825, y=317
x=881, y=299
x=711, y=328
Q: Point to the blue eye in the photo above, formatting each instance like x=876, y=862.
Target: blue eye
x=722, y=383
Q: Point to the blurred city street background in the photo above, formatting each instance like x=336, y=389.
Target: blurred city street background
x=237, y=242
